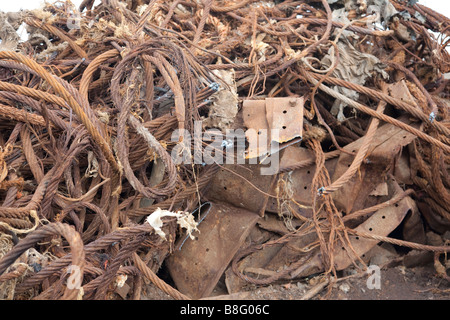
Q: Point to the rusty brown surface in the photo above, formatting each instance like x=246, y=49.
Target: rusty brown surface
x=381, y=223
x=89, y=136
x=286, y=116
x=198, y=265
x=387, y=144
x=271, y=120
x=228, y=187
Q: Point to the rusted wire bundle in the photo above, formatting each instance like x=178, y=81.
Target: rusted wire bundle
x=90, y=108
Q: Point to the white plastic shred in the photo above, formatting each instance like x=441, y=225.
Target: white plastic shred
x=185, y=219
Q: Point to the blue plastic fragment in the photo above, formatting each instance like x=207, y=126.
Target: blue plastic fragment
x=321, y=190
x=432, y=117
x=214, y=86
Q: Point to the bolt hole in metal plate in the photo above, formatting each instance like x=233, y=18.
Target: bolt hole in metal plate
x=286, y=115
x=198, y=266
x=272, y=120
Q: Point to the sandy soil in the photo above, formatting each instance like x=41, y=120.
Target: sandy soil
x=396, y=283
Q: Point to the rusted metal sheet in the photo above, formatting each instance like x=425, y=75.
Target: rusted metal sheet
x=286, y=116
x=400, y=91
x=230, y=187
x=198, y=265
x=299, y=181
x=278, y=120
x=386, y=145
x=381, y=223
x=254, y=116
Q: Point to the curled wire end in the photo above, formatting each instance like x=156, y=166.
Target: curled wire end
x=321, y=191
x=201, y=219
x=432, y=117
x=214, y=86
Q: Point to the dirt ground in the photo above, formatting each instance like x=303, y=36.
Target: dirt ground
x=396, y=283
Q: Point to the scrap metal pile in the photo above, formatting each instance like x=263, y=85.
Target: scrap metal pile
x=97, y=101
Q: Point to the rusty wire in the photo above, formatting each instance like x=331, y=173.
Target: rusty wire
x=86, y=112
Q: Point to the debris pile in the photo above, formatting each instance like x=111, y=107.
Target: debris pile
x=193, y=145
